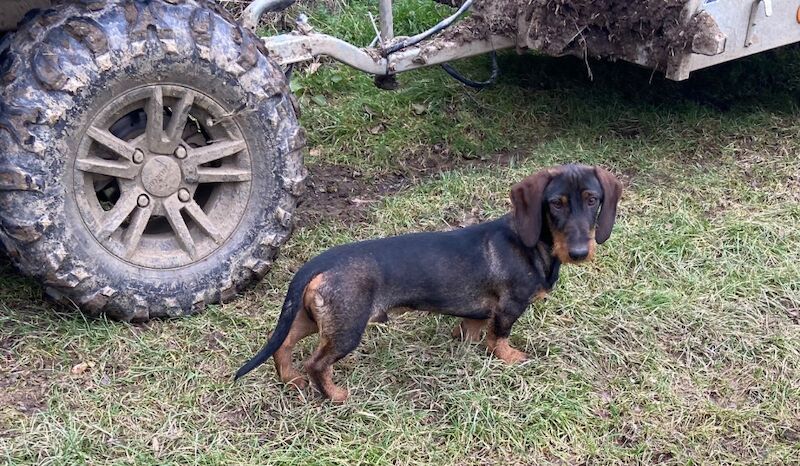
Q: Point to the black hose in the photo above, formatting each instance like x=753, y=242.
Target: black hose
x=475, y=84
x=443, y=24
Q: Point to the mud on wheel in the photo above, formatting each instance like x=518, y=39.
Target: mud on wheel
x=150, y=156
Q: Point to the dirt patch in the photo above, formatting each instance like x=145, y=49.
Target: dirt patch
x=342, y=193
x=345, y=194
x=22, y=393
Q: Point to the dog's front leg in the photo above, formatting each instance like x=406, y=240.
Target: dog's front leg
x=500, y=328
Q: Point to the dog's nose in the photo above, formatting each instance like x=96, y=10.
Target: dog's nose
x=578, y=253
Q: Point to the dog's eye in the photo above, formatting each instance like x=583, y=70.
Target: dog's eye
x=591, y=201
x=556, y=204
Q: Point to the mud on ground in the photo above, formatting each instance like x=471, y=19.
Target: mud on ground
x=345, y=194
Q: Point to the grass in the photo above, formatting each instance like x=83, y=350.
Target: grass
x=680, y=344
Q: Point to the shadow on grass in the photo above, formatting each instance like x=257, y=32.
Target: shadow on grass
x=768, y=81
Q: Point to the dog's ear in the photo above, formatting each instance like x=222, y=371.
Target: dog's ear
x=526, y=201
x=612, y=191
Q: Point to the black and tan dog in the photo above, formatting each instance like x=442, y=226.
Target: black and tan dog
x=486, y=274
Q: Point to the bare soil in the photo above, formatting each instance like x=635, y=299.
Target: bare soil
x=21, y=392
x=344, y=193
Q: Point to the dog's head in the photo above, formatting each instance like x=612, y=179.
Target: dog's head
x=577, y=203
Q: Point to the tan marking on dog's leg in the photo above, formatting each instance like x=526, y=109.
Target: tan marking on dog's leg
x=541, y=294
x=310, y=295
x=500, y=348
x=321, y=373
x=319, y=365
x=469, y=330
x=302, y=327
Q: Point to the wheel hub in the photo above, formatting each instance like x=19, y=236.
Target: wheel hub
x=161, y=176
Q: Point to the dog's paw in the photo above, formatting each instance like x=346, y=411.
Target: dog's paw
x=503, y=351
x=512, y=356
x=338, y=394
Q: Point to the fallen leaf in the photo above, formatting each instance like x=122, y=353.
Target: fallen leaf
x=357, y=201
x=377, y=129
x=315, y=152
x=81, y=367
x=419, y=109
x=155, y=445
x=320, y=100
x=312, y=68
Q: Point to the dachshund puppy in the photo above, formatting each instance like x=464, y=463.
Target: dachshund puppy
x=487, y=274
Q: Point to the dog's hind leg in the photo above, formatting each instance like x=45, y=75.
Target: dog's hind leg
x=342, y=318
x=469, y=329
x=333, y=346
x=302, y=327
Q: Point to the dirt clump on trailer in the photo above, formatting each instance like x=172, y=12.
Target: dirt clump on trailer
x=647, y=32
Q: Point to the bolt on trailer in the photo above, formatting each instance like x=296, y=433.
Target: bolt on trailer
x=150, y=151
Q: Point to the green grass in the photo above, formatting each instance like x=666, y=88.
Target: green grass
x=679, y=344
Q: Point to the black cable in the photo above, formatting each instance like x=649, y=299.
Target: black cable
x=443, y=24
x=475, y=84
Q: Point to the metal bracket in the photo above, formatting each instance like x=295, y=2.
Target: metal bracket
x=748, y=39
x=297, y=47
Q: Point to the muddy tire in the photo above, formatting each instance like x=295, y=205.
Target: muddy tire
x=150, y=156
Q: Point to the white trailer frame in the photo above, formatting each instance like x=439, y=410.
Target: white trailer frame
x=743, y=27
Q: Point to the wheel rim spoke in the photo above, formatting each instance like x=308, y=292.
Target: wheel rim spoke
x=155, y=122
x=113, y=168
x=222, y=175
x=180, y=115
x=114, y=217
x=173, y=207
x=108, y=140
x=202, y=220
x=139, y=221
x=216, y=151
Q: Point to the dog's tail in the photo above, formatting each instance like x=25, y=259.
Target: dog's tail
x=291, y=306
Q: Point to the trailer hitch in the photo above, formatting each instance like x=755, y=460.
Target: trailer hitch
x=395, y=55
